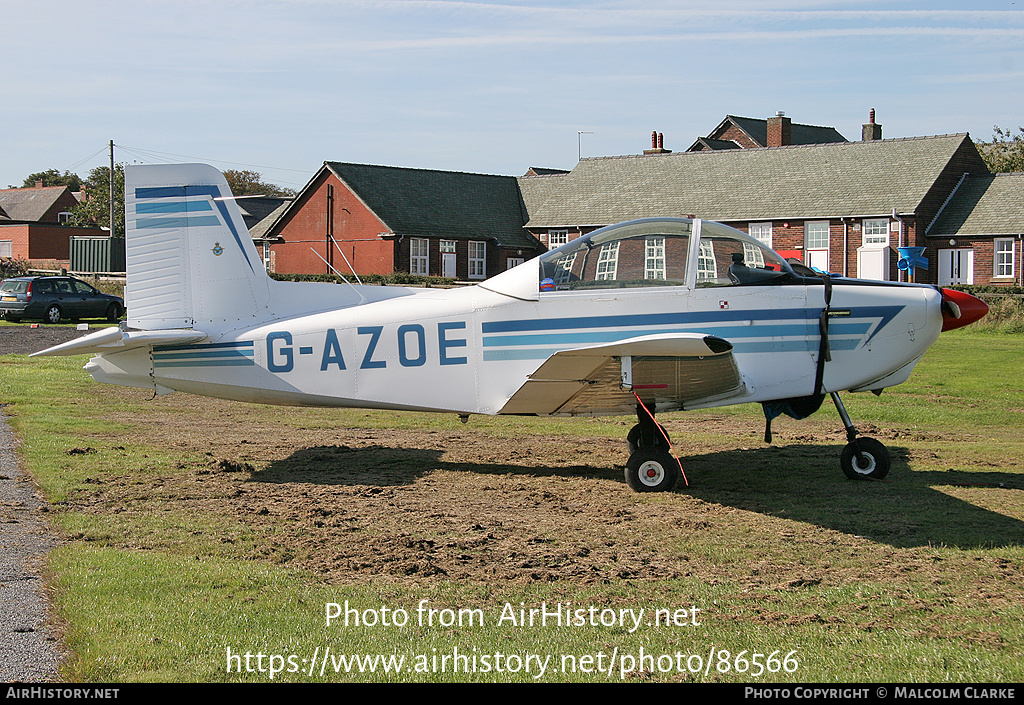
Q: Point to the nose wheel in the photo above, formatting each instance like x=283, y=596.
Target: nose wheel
x=862, y=458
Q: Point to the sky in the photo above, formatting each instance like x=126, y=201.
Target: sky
x=280, y=86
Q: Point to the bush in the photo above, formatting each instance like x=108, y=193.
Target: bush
x=12, y=267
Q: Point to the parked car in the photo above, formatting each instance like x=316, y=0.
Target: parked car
x=54, y=299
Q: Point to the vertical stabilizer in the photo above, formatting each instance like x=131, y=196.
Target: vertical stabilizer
x=190, y=259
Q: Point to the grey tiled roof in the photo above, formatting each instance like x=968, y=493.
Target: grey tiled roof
x=805, y=181
x=983, y=205
x=259, y=230
x=447, y=204
x=29, y=204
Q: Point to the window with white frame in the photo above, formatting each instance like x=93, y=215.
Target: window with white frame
x=1003, y=258
x=762, y=232
x=557, y=237
x=707, y=264
x=448, y=246
x=876, y=231
x=654, y=260
x=608, y=261
x=6, y=248
x=419, y=262
x=477, y=260
x=563, y=268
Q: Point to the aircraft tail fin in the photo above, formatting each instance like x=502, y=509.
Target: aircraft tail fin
x=191, y=262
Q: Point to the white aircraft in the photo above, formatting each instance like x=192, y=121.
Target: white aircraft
x=642, y=317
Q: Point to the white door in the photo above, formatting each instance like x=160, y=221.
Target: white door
x=873, y=263
x=818, y=259
x=956, y=266
x=448, y=264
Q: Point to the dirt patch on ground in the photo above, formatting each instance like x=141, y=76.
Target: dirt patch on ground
x=24, y=339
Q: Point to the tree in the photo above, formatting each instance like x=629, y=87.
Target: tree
x=250, y=183
x=53, y=177
x=1005, y=152
x=95, y=206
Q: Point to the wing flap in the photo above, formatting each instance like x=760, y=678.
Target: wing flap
x=671, y=370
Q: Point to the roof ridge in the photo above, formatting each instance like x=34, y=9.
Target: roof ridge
x=420, y=169
x=833, y=145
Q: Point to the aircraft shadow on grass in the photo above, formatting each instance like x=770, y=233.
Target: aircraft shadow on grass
x=799, y=482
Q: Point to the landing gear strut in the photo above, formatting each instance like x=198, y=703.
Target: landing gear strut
x=651, y=466
x=862, y=458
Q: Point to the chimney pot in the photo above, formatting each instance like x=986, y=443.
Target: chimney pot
x=654, y=139
x=871, y=131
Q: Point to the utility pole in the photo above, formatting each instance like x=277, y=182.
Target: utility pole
x=111, y=188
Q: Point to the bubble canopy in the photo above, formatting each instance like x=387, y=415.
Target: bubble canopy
x=662, y=252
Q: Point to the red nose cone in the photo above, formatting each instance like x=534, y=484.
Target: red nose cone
x=960, y=309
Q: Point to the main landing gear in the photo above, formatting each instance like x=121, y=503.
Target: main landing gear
x=651, y=466
x=862, y=458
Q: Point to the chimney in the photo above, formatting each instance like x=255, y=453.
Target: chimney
x=657, y=144
x=39, y=184
x=780, y=130
x=871, y=131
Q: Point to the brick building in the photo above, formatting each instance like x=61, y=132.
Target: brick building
x=377, y=220
x=30, y=225
x=804, y=190
x=838, y=206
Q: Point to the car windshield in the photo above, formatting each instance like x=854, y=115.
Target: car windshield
x=14, y=286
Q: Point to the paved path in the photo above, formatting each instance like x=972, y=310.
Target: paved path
x=30, y=647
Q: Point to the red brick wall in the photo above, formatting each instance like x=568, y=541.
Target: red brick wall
x=356, y=230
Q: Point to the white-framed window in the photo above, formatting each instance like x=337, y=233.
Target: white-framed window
x=1002, y=258
x=563, y=268
x=448, y=246
x=477, y=260
x=419, y=261
x=876, y=231
x=707, y=265
x=64, y=217
x=6, y=248
x=762, y=232
x=654, y=259
x=608, y=261
x=557, y=237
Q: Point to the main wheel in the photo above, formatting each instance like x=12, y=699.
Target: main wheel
x=53, y=314
x=633, y=439
x=113, y=312
x=652, y=470
x=865, y=459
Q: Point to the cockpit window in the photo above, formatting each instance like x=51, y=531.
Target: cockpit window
x=655, y=252
x=630, y=255
x=727, y=257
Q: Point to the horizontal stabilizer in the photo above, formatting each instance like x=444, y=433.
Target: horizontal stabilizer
x=672, y=370
x=116, y=340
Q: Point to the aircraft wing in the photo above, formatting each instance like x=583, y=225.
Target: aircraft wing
x=116, y=340
x=673, y=369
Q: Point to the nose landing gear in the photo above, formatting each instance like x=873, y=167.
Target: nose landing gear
x=862, y=458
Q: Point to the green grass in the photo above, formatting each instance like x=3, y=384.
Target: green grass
x=159, y=598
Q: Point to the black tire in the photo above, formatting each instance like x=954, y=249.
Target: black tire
x=652, y=470
x=113, y=312
x=53, y=314
x=633, y=439
x=865, y=459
